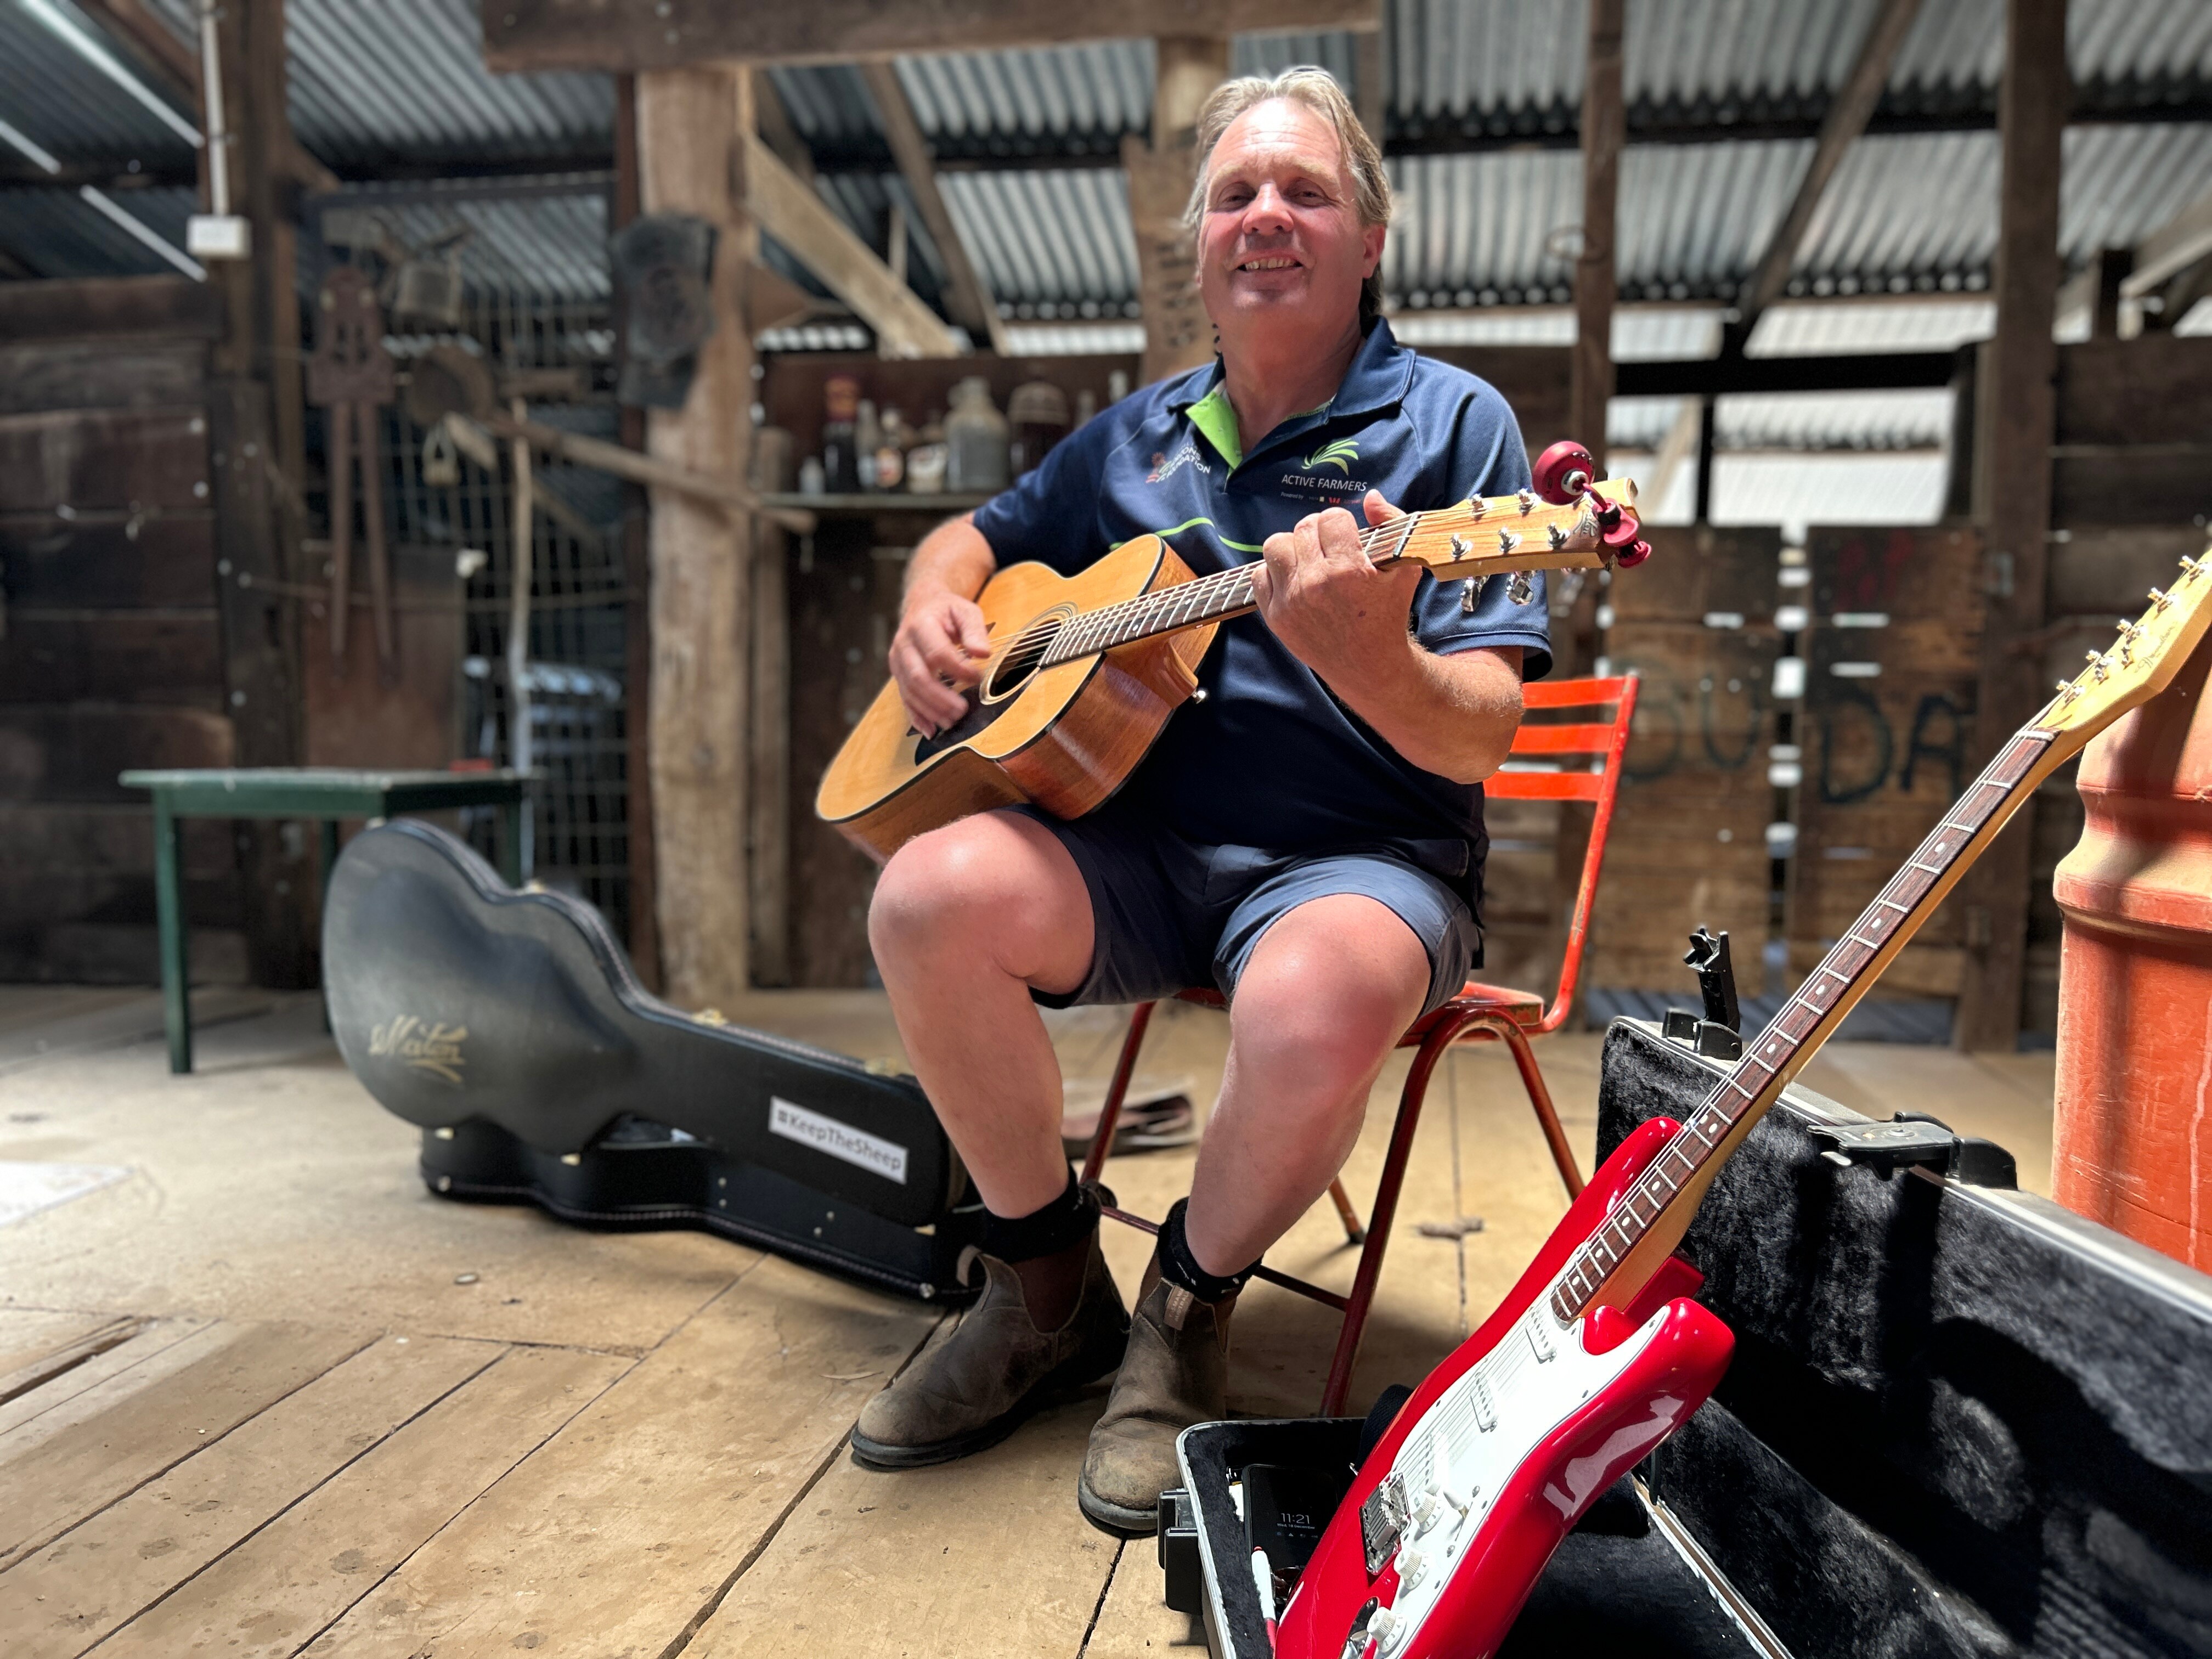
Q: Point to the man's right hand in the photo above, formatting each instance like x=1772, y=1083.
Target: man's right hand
x=936, y=655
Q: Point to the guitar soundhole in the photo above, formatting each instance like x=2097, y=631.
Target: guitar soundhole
x=1017, y=665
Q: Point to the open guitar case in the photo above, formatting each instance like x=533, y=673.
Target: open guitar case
x=1960, y=1421
x=509, y=1027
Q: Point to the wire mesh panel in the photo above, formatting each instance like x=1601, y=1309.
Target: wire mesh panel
x=553, y=344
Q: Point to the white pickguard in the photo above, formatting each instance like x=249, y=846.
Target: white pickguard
x=1474, y=1439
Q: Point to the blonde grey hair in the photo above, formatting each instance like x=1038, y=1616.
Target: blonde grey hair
x=1318, y=91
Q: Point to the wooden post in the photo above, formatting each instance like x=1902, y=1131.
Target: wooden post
x=1605, y=129
x=2016, y=422
x=256, y=442
x=692, y=125
x=637, y=577
x=769, y=829
x=1178, y=336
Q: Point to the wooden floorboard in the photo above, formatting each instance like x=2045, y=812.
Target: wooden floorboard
x=1133, y=1622
x=289, y=1581
x=102, y=1573
x=83, y=1469
x=36, y=1348
x=617, y=1535
x=986, y=1557
x=163, y=1347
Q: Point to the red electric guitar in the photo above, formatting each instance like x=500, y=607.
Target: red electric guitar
x=1598, y=1354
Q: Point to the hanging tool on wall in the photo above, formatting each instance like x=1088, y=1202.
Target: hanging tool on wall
x=349, y=376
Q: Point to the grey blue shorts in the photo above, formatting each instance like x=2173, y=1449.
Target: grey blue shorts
x=1171, y=914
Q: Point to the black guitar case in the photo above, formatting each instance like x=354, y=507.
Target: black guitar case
x=510, y=1027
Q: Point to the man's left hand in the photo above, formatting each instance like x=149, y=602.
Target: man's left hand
x=1323, y=598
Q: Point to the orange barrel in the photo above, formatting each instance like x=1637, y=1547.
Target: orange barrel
x=2132, y=1146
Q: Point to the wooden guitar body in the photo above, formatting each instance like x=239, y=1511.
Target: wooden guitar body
x=1064, y=737
x=1502, y=1448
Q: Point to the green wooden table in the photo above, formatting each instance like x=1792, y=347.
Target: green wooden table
x=325, y=794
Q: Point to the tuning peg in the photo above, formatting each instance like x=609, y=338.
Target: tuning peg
x=2191, y=569
x=2068, y=689
x=2099, y=666
x=1469, y=590
x=1459, y=548
x=1528, y=499
x=1557, y=534
x=1507, y=541
x=2159, y=601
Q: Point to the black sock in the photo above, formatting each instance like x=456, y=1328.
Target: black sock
x=1062, y=1224
x=1180, y=1268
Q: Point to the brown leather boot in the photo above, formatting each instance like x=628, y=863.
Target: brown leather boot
x=1174, y=1373
x=973, y=1389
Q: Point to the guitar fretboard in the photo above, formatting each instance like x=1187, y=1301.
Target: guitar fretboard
x=1207, y=598
x=1803, y=1021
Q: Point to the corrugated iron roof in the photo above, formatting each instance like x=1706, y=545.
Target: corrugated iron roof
x=373, y=84
x=551, y=245
x=1061, y=237
x=58, y=233
x=1795, y=490
x=53, y=94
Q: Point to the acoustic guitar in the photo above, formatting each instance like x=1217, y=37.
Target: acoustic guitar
x=1598, y=1354
x=1083, y=671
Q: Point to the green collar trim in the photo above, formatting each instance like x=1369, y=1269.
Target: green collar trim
x=1212, y=416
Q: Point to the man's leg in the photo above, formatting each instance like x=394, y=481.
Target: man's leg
x=965, y=920
x=1329, y=990
x=1326, y=994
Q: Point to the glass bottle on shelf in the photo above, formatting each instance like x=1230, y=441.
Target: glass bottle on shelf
x=841, y=407
x=976, y=439
x=867, y=439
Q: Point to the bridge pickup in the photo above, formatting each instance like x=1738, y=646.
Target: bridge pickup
x=1382, y=1520
x=1485, y=1409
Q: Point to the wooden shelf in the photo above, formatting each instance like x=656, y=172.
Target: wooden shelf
x=896, y=502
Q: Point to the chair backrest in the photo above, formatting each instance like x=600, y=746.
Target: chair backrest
x=1553, y=761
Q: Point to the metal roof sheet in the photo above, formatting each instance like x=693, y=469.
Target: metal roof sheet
x=57, y=233
x=1795, y=490
x=544, y=245
x=1061, y=237
x=378, y=83
x=50, y=92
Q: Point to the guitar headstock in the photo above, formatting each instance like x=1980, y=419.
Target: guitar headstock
x=1489, y=534
x=2141, y=662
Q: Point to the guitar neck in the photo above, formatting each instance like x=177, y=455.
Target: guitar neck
x=1224, y=594
x=1669, y=1190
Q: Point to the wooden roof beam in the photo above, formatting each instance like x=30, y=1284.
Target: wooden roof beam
x=642, y=34
x=1847, y=117
x=783, y=205
x=971, y=301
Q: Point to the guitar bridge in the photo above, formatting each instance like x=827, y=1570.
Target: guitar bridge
x=1382, y=1520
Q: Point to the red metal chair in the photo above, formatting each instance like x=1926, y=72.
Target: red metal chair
x=1545, y=771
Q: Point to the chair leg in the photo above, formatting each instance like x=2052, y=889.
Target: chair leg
x=1109, y=1115
x=1380, y=1218
x=1354, y=1232
x=1540, y=1096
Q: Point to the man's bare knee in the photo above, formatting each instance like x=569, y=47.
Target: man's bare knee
x=990, y=886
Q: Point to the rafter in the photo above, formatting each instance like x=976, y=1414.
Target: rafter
x=970, y=300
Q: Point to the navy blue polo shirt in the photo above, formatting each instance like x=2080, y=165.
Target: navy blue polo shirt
x=1272, y=759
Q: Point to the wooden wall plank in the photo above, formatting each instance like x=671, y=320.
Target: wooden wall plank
x=1687, y=848
x=109, y=563
x=74, y=752
x=330, y=1551
x=103, y=1573
x=2150, y=389
x=94, y=840
x=39, y=376
x=103, y=307
x=91, y=459
x=730, y=1418
x=1890, y=740
x=171, y=658
x=84, y=1468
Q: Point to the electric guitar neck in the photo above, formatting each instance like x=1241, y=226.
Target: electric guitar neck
x=1651, y=1220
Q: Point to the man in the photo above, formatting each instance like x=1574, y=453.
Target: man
x=1308, y=839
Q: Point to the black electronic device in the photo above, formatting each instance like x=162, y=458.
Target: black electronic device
x=510, y=1027
x=1286, y=1507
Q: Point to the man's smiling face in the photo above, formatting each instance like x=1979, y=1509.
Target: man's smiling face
x=1281, y=242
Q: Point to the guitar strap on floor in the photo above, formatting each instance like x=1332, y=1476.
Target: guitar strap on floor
x=510, y=1027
